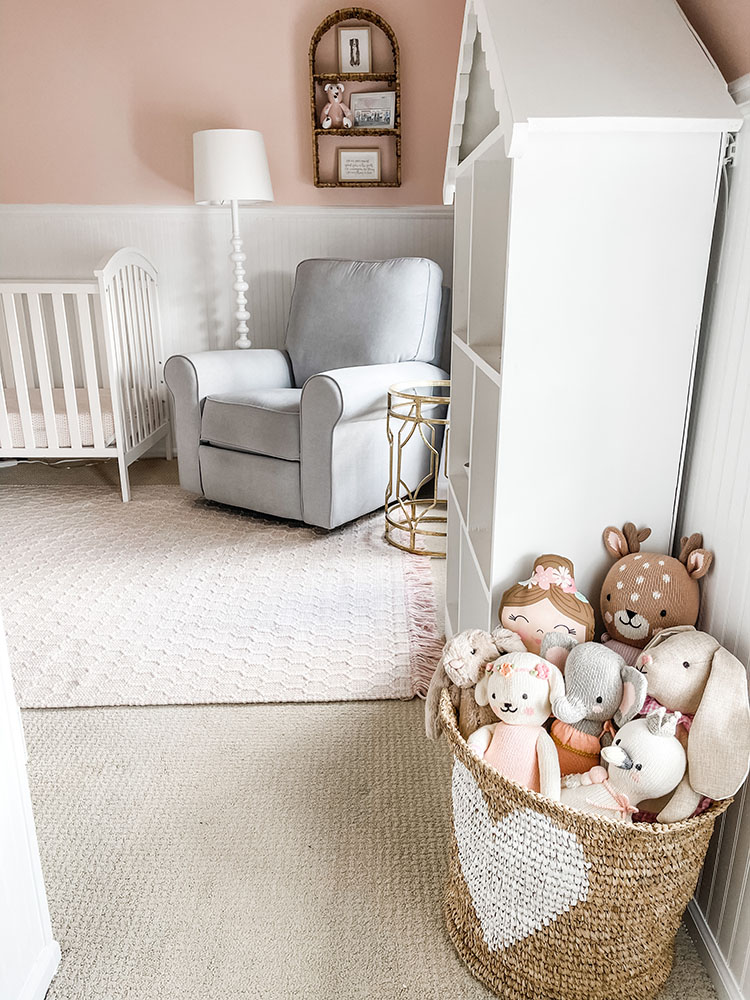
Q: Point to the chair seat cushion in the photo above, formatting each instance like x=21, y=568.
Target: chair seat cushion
x=260, y=421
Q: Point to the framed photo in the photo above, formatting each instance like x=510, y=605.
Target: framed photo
x=374, y=110
x=359, y=165
x=354, y=50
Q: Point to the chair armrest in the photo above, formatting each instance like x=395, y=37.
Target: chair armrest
x=359, y=393
x=344, y=450
x=192, y=377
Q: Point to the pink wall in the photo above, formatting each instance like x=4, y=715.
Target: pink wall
x=724, y=26
x=100, y=97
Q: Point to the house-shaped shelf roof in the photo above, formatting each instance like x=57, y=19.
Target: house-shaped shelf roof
x=580, y=65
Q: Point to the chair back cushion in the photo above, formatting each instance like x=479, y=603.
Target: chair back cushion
x=346, y=313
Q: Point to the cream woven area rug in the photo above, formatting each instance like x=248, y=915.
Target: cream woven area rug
x=170, y=600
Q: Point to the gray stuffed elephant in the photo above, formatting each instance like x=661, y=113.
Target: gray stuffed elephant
x=464, y=657
x=599, y=687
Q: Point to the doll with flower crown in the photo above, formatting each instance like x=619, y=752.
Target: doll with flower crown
x=549, y=601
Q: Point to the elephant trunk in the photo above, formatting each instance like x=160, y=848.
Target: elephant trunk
x=568, y=710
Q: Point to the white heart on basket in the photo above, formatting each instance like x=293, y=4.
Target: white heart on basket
x=522, y=872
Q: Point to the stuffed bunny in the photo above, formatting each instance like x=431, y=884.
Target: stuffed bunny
x=599, y=686
x=464, y=657
x=645, y=760
x=648, y=591
x=688, y=671
x=518, y=687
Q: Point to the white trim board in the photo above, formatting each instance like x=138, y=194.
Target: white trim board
x=711, y=955
x=337, y=211
x=740, y=91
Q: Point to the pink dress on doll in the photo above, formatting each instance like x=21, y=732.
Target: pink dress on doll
x=512, y=751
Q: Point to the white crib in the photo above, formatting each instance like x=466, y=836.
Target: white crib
x=81, y=366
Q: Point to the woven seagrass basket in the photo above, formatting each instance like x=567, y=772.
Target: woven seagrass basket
x=544, y=902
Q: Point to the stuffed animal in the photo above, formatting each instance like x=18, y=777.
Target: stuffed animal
x=547, y=601
x=336, y=114
x=518, y=687
x=645, y=760
x=461, y=664
x=647, y=591
x=599, y=687
x=690, y=672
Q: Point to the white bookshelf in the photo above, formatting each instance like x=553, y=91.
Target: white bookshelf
x=584, y=151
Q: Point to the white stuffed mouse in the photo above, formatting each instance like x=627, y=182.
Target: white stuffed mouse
x=645, y=761
x=518, y=687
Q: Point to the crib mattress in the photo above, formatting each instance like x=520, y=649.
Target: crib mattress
x=61, y=418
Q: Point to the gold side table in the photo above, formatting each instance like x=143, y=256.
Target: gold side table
x=416, y=516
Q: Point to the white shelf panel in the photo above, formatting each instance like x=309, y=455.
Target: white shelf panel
x=474, y=600
x=461, y=256
x=485, y=417
x=490, y=216
x=453, y=560
x=484, y=356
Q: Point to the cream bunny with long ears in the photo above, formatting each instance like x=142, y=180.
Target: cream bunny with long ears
x=689, y=672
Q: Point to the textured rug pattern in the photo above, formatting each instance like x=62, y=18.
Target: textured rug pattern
x=262, y=852
x=170, y=600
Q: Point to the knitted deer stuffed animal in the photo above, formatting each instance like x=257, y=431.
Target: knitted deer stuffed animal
x=518, y=687
x=648, y=591
x=645, y=760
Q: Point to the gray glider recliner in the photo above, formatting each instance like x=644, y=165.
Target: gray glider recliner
x=301, y=433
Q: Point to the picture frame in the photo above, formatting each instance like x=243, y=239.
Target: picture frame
x=374, y=110
x=355, y=50
x=358, y=165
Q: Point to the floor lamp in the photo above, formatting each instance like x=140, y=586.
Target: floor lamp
x=230, y=165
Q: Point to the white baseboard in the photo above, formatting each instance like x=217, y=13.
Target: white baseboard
x=42, y=973
x=711, y=955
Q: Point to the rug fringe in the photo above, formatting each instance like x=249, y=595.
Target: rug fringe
x=425, y=641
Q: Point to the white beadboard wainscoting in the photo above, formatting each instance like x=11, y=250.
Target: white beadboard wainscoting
x=715, y=501
x=190, y=247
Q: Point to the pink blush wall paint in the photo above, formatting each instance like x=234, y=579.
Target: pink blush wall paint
x=724, y=26
x=100, y=98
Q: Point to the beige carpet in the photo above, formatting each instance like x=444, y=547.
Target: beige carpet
x=172, y=600
x=267, y=851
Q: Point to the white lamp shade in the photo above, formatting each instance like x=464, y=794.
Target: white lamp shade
x=229, y=164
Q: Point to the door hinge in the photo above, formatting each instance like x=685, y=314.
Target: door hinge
x=730, y=149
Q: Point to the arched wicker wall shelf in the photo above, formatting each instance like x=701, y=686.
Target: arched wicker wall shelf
x=382, y=76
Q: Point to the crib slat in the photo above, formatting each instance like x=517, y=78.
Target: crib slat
x=155, y=347
x=42, y=370
x=6, y=441
x=89, y=368
x=139, y=279
x=19, y=369
x=66, y=368
x=134, y=343
x=118, y=312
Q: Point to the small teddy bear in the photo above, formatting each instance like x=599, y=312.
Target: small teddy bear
x=646, y=760
x=336, y=114
x=518, y=688
x=464, y=657
x=647, y=591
